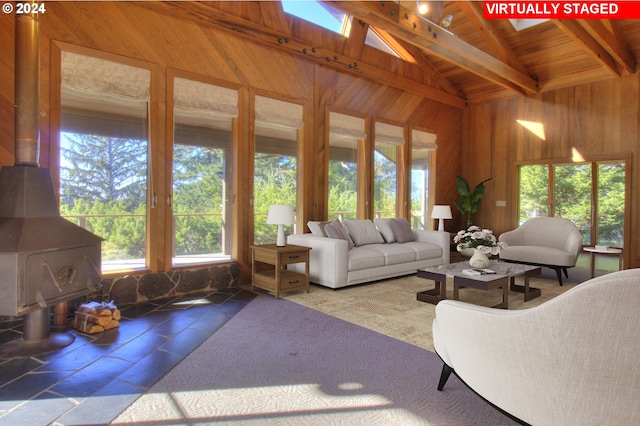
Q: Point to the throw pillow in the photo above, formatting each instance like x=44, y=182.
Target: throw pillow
x=317, y=228
x=363, y=232
x=335, y=229
x=401, y=230
x=385, y=230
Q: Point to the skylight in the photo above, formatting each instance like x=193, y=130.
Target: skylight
x=521, y=24
x=374, y=40
x=318, y=13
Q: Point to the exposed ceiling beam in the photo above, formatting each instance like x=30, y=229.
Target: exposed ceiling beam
x=582, y=37
x=428, y=68
x=612, y=40
x=207, y=15
x=499, y=46
x=403, y=23
x=354, y=44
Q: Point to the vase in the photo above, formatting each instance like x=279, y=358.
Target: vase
x=479, y=259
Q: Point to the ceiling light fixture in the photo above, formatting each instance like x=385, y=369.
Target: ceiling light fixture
x=423, y=7
x=446, y=21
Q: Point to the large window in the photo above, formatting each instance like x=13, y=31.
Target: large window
x=345, y=134
x=201, y=201
x=388, y=142
x=591, y=194
x=422, y=145
x=104, y=154
x=275, y=162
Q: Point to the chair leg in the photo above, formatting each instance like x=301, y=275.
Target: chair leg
x=559, y=274
x=444, y=376
x=566, y=273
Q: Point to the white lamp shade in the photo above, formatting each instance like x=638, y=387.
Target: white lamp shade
x=280, y=214
x=441, y=212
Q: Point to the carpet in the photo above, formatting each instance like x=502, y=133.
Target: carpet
x=390, y=306
x=279, y=363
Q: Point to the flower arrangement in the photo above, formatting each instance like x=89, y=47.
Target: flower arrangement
x=481, y=239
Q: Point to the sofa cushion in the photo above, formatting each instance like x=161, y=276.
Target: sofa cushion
x=423, y=250
x=363, y=232
x=401, y=230
x=538, y=255
x=385, y=229
x=335, y=229
x=365, y=258
x=394, y=253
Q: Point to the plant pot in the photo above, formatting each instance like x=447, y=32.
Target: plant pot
x=479, y=259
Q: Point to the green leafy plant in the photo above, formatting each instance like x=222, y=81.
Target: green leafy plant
x=470, y=201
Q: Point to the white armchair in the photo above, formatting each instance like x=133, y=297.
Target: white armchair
x=573, y=360
x=553, y=242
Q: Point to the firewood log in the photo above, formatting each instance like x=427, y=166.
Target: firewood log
x=86, y=327
x=96, y=319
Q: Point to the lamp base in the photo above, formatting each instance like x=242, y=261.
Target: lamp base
x=281, y=241
x=440, y=225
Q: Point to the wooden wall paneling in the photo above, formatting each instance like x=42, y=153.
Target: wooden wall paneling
x=242, y=185
x=600, y=120
x=159, y=235
x=7, y=94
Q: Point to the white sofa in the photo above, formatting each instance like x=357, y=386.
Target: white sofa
x=336, y=262
x=571, y=361
x=553, y=242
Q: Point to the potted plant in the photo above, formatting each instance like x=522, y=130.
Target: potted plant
x=469, y=202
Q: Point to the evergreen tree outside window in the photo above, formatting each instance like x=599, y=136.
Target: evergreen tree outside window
x=202, y=154
x=388, y=140
x=275, y=162
x=104, y=153
x=345, y=134
x=422, y=146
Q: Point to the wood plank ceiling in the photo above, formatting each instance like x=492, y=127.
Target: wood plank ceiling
x=476, y=61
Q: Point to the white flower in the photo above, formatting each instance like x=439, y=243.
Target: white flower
x=481, y=239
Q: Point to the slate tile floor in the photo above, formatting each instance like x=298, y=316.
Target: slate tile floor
x=97, y=376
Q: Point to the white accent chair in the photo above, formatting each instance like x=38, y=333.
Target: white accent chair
x=553, y=242
x=573, y=360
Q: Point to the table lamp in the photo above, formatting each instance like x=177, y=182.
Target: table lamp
x=441, y=213
x=280, y=214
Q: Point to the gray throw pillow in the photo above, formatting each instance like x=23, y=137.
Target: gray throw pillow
x=335, y=229
x=401, y=230
x=385, y=230
x=317, y=228
x=363, y=232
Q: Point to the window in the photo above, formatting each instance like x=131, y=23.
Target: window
x=319, y=13
x=345, y=134
x=275, y=162
x=534, y=191
x=104, y=153
x=202, y=149
x=422, y=145
x=388, y=141
x=590, y=194
x=374, y=39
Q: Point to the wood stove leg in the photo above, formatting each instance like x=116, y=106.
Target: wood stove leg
x=61, y=314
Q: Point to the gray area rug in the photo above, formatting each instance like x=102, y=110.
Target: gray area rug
x=279, y=363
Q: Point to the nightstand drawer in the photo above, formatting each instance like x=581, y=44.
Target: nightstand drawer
x=287, y=258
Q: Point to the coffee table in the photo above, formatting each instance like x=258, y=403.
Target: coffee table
x=503, y=278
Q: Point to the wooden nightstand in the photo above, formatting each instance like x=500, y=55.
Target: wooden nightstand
x=279, y=279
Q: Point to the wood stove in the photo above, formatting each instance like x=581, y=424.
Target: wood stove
x=44, y=259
